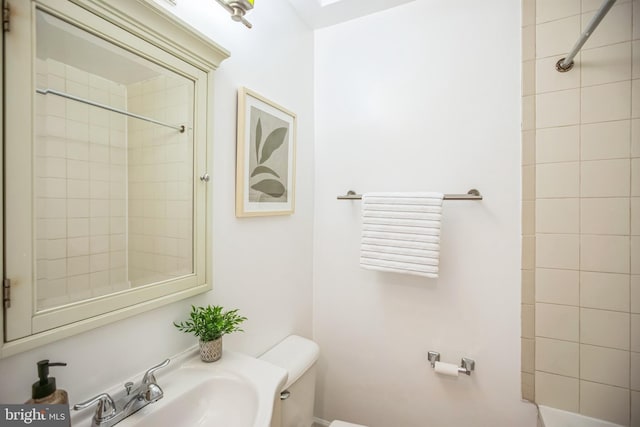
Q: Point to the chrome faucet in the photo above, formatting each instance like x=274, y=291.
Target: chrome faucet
x=110, y=412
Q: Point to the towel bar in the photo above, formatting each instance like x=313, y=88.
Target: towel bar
x=472, y=194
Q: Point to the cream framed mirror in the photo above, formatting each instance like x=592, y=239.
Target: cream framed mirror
x=107, y=140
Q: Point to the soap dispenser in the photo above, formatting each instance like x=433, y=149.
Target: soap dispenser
x=44, y=390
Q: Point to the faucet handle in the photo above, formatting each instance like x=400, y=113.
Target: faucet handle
x=106, y=407
x=149, y=377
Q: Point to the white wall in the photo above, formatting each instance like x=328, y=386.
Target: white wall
x=262, y=266
x=425, y=96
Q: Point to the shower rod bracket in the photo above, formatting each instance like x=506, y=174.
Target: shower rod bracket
x=560, y=67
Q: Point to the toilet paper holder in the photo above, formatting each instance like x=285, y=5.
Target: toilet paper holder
x=466, y=365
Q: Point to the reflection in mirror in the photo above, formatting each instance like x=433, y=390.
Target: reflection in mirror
x=113, y=194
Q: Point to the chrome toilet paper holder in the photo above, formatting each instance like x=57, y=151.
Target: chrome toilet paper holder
x=466, y=365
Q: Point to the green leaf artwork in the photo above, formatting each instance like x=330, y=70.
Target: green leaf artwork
x=263, y=169
x=273, y=142
x=269, y=186
x=258, y=138
x=266, y=155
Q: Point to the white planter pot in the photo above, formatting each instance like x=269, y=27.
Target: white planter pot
x=210, y=351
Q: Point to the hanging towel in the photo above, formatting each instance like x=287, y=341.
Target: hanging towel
x=401, y=232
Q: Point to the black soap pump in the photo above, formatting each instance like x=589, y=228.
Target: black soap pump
x=44, y=390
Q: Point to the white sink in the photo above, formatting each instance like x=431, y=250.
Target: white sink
x=236, y=391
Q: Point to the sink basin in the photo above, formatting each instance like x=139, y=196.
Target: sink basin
x=236, y=391
x=197, y=397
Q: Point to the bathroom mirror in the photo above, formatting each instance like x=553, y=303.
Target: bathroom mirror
x=105, y=165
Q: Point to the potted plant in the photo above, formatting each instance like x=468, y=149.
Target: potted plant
x=209, y=324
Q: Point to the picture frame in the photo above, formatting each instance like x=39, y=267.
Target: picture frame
x=265, y=160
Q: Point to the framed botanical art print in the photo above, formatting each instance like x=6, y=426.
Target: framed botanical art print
x=266, y=153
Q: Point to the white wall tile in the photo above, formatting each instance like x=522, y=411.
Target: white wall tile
x=77, y=246
x=605, y=291
x=557, y=37
x=606, y=102
x=635, y=138
x=635, y=255
x=77, y=265
x=527, y=358
x=635, y=332
x=605, y=402
x=51, y=208
x=635, y=177
x=604, y=215
x=591, y=5
x=635, y=59
x=99, y=262
x=557, y=357
x=605, y=178
x=528, y=78
x=558, y=215
x=635, y=294
x=557, y=321
x=636, y=21
x=51, y=168
x=614, y=28
x=55, y=249
x=634, y=377
x=604, y=253
x=551, y=10
x=78, y=287
x=635, y=407
x=558, y=251
x=548, y=79
x=77, y=189
x=604, y=365
x=604, y=328
x=528, y=286
x=557, y=286
x=607, y=64
x=606, y=140
x=635, y=99
x=558, y=180
x=562, y=108
x=557, y=391
x=99, y=244
x=527, y=320
x=557, y=144
x=528, y=149
x=56, y=268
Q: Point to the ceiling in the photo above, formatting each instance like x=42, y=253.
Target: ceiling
x=323, y=13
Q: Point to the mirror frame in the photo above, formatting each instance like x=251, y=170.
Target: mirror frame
x=151, y=23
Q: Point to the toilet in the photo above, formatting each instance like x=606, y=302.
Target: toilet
x=298, y=357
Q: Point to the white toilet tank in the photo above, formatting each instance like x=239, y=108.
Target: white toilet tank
x=298, y=356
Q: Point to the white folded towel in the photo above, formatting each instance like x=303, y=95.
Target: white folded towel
x=401, y=232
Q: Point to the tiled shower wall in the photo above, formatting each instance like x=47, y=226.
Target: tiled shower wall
x=581, y=210
x=160, y=181
x=80, y=187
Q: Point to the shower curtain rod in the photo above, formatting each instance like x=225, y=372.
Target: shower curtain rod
x=565, y=64
x=472, y=194
x=180, y=128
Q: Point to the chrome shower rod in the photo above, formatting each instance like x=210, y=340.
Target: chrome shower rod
x=565, y=64
x=180, y=128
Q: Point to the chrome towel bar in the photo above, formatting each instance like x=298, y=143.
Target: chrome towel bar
x=472, y=194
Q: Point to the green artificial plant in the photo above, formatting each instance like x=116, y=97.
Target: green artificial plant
x=211, y=322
